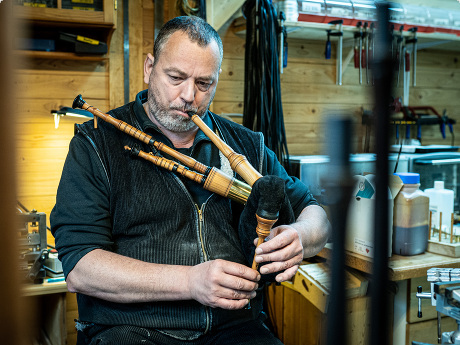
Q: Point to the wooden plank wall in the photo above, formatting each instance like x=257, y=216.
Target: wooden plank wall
x=309, y=93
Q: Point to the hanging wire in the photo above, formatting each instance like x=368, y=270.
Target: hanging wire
x=263, y=110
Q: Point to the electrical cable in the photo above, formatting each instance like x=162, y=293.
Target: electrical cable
x=263, y=110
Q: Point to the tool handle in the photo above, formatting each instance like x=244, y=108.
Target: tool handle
x=356, y=58
x=407, y=64
x=327, y=52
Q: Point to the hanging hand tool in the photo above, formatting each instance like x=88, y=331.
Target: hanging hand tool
x=413, y=40
x=327, y=53
x=358, y=41
x=283, y=42
x=399, y=54
x=365, y=55
x=406, y=75
x=370, y=58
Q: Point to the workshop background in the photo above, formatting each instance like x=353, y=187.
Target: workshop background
x=48, y=81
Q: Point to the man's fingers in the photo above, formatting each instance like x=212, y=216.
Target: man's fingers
x=241, y=271
x=287, y=275
x=231, y=304
x=293, y=250
x=280, y=266
x=280, y=240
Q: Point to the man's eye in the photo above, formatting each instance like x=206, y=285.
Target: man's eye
x=204, y=85
x=174, y=78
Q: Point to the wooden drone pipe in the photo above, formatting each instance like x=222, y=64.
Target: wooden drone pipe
x=79, y=102
x=216, y=181
x=238, y=162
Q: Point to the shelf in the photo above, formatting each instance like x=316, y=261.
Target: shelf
x=47, y=23
x=60, y=15
x=317, y=31
x=58, y=55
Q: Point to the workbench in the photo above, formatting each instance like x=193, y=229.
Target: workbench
x=297, y=320
x=46, y=308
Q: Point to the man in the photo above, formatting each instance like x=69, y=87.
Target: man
x=154, y=258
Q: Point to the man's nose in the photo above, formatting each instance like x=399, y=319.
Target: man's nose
x=188, y=91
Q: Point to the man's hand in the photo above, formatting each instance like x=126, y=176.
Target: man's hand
x=285, y=251
x=224, y=284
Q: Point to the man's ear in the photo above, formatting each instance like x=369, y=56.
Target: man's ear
x=148, y=65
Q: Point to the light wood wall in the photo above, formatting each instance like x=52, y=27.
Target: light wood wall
x=309, y=92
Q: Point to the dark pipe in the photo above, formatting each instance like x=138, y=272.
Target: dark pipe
x=78, y=102
x=338, y=185
x=383, y=71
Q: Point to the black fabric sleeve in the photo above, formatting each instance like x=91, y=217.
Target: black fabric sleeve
x=80, y=220
x=298, y=193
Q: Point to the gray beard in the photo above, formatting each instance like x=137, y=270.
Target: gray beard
x=172, y=122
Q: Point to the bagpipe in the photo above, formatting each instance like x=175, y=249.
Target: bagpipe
x=264, y=197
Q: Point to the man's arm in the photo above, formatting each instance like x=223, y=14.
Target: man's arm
x=288, y=245
x=117, y=278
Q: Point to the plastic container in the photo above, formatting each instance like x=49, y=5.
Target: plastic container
x=364, y=10
x=312, y=11
x=339, y=8
x=410, y=217
x=289, y=7
x=441, y=200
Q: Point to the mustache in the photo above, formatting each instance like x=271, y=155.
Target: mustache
x=185, y=109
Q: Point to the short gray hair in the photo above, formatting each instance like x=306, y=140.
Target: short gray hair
x=197, y=29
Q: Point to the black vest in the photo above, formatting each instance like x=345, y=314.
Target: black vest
x=154, y=219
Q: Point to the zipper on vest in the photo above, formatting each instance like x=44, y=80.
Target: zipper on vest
x=200, y=225
x=200, y=228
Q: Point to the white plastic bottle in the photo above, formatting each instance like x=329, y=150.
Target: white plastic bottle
x=441, y=200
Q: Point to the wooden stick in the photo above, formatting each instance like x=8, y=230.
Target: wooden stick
x=145, y=138
x=216, y=181
x=238, y=162
x=440, y=225
x=263, y=230
x=429, y=231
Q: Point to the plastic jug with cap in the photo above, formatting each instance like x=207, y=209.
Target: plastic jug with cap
x=441, y=204
x=410, y=217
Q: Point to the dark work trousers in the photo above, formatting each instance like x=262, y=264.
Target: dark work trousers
x=249, y=333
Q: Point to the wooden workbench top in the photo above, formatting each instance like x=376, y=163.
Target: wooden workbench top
x=400, y=267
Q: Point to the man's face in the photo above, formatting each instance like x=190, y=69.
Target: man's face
x=183, y=79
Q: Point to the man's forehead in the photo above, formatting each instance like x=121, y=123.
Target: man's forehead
x=181, y=39
x=179, y=52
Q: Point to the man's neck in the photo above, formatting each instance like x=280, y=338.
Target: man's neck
x=180, y=140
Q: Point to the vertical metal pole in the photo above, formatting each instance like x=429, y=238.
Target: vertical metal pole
x=383, y=74
x=338, y=186
x=339, y=56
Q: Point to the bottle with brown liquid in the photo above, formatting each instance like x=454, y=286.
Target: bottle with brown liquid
x=410, y=217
